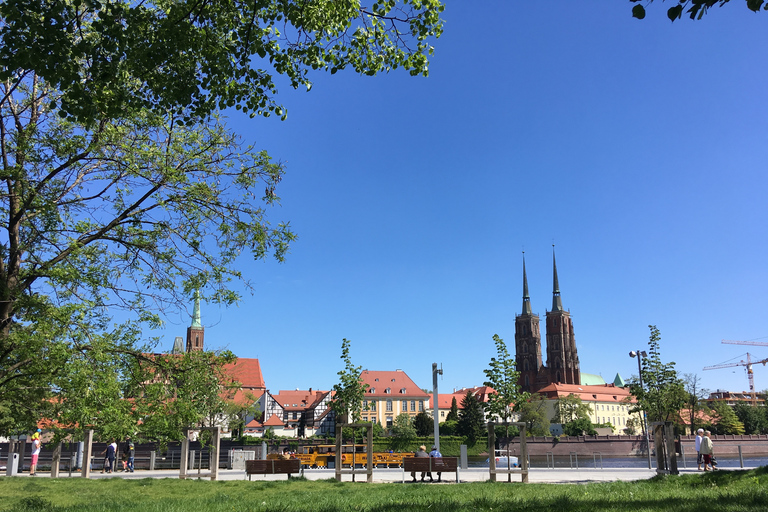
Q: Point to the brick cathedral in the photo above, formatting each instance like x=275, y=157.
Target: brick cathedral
x=562, y=359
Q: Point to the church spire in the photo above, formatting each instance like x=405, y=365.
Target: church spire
x=557, y=304
x=196, y=331
x=526, y=298
x=196, y=321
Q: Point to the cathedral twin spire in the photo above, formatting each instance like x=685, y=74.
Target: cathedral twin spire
x=562, y=359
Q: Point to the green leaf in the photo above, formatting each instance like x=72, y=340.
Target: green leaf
x=638, y=12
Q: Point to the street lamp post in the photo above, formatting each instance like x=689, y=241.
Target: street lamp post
x=640, y=354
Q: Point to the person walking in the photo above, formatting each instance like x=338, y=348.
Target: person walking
x=36, y=446
x=130, y=452
x=707, y=450
x=435, y=454
x=699, y=435
x=109, y=457
x=421, y=453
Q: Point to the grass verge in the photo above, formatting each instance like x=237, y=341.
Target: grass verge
x=742, y=491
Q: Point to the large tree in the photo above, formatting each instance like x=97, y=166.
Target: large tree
x=695, y=396
x=471, y=422
x=123, y=190
x=533, y=412
x=662, y=394
x=127, y=217
x=694, y=9
x=502, y=376
x=194, y=58
x=570, y=408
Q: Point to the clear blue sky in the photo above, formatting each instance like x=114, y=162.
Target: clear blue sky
x=637, y=147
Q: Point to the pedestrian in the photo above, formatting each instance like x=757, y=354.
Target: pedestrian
x=435, y=453
x=421, y=453
x=109, y=457
x=699, y=458
x=706, y=451
x=36, y=446
x=130, y=452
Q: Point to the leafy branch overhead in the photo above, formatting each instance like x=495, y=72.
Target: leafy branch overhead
x=194, y=58
x=695, y=9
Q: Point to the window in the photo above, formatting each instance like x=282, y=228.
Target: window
x=389, y=421
x=372, y=390
x=405, y=405
x=373, y=405
x=402, y=391
x=413, y=405
x=389, y=405
x=388, y=390
x=421, y=405
x=442, y=414
x=294, y=415
x=376, y=379
x=393, y=380
x=365, y=405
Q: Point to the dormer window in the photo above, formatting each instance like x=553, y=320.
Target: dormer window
x=393, y=380
x=388, y=390
x=373, y=390
x=402, y=390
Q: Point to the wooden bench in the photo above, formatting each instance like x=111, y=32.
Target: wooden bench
x=272, y=467
x=431, y=464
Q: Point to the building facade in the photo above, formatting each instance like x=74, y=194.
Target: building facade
x=389, y=394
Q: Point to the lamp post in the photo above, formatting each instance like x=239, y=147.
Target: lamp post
x=640, y=354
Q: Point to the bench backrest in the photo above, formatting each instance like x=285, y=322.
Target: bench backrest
x=272, y=467
x=448, y=464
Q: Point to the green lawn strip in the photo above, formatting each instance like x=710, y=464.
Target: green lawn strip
x=745, y=491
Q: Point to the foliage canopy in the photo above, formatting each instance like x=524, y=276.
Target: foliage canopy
x=194, y=58
x=695, y=9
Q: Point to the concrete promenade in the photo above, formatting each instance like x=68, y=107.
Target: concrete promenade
x=395, y=475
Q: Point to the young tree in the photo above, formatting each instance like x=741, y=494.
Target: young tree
x=503, y=378
x=695, y=9
x=349, y=393
x=533, y=412
x=471, y=421
x=424, y=424
x=695, y=398
x=453, y=414
x=662, y=394
x=570, y=408
x=193, y=58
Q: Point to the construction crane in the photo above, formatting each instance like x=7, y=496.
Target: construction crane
x=750, y=375
x=753, y=343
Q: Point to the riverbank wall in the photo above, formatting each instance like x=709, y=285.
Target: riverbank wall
x=625, y=446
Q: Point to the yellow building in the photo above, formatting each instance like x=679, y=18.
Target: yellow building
x=389, y=394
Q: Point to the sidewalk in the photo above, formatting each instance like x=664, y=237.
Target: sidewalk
x=395, y=475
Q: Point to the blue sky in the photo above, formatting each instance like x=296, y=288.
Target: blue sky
x=637, y=147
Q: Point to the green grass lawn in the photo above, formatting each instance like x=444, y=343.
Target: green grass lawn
x=719, y=491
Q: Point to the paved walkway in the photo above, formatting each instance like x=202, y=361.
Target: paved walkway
x=394, y=475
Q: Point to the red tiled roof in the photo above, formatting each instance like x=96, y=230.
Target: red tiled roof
x=604, y=393
x=445, y=401
x=247, y=372
x=253, y=424
x=298, y=400
x=274, y=421
x=397, y=382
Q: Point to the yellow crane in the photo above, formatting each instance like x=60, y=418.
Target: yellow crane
x=748, y=363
